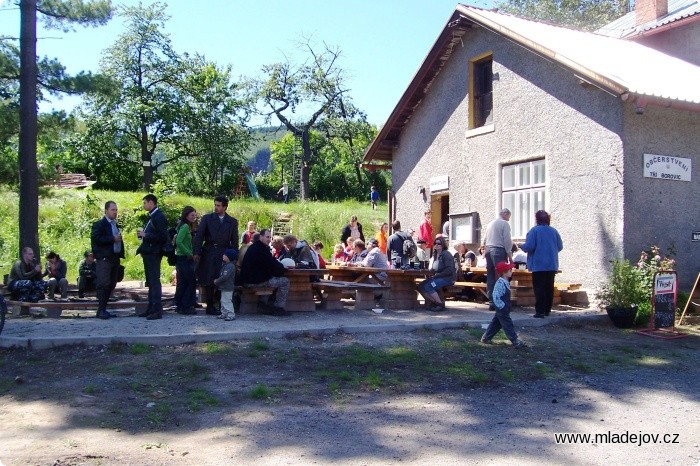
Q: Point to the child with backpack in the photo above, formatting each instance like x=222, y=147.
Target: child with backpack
x=227, y=283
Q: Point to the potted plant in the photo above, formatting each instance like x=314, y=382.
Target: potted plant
x=622, y=293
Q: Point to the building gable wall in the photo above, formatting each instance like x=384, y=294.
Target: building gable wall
x=540, y=110
x=681, y=42
x=659, y=211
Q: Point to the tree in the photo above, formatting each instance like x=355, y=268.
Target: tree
x=213, y=139
x=58, y=14
x=138, y=115
x=586, y=15
x=315, y=88
x=162, y=106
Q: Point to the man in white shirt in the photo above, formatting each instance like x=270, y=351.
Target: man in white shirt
x=498, y=244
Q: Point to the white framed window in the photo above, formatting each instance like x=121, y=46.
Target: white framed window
x=523, y=192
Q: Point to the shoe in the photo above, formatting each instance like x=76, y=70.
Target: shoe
x=486, y=342
x=104, y=315
x=190, y=311
x=145, y=313
x=546, y=313
x=519, y=344
x=437, y=307
x=220, y=316
x=81, y=295
x=213, y=312
x=280, y=311
x=230, y=316
x=155, y=315
x=538, y=316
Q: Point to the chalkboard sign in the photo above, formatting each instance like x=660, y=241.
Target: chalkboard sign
x=664, y=299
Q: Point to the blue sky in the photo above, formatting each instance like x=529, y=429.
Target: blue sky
x=383, y=41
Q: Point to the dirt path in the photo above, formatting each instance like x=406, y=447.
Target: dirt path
x=419, y=398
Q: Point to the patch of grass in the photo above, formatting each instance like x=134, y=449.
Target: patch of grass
x=91, y=389
x=507, y=375
x=401, y=354
x=160, y=413
x=544, y=370
x=191, y=369
x=373, y=380
x=215, y=347
x=582, y=367
x=198, y=398
x=117, y=348
x=114, y=369
x=358, y=356
x=260, y=392
x=259, y=345
x=6, y=385
x=139, y=348
x=449, y=343
x=469, y=372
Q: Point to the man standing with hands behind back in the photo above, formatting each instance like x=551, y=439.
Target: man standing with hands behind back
x=217, y=232
x=153, y=237
x=498, y=244
x=107, y=248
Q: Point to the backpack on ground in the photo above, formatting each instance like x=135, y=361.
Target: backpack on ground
x=409, y=247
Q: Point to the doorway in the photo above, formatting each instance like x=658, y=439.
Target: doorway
x=440, y=208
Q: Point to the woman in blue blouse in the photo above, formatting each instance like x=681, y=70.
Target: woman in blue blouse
x=542, y=246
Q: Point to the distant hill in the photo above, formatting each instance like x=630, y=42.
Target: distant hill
x=258, y=155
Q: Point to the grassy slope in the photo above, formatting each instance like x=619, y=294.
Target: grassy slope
x=66, y=216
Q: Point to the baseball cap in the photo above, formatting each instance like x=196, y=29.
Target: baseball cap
x=502, y=267
x=373, y=242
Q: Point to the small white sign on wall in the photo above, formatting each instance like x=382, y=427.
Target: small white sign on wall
x=667, y=167
x=439, y=183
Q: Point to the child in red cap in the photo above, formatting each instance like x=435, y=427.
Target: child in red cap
x=501, y=300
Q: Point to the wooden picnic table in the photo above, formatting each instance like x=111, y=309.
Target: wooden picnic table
x=402, y=293
x=301, y=296
x=523, y=293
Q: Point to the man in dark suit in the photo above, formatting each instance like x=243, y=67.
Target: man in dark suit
x=217, y=232
x=153, y=236
x=108, y=248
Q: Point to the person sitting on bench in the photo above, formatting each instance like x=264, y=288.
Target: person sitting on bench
x=87, y=271
x=260, y=269
x=56, y=270
x=25, y=281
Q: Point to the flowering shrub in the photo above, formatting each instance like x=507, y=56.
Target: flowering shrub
x=650, y=262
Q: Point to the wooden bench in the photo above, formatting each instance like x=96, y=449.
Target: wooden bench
x=332, y=293
x=250, y=295
x=73, y=180
x=55, y=308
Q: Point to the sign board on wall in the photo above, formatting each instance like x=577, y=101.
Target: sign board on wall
x=664, y=299
x=439, y=183
x=667, y=168
x=463, y=227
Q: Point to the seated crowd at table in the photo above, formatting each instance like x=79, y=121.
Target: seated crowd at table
x=210, y=254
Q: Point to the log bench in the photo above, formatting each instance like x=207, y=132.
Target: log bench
x=73, y=180
x=333, y=290
x=250, y=295
x=55, y=308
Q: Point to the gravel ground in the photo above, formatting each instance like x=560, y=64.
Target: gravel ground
x=586, y=378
